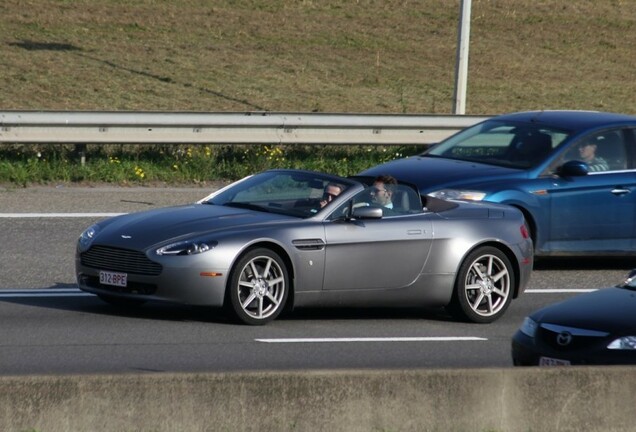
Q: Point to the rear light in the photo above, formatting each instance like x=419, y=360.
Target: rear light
x=524, y=231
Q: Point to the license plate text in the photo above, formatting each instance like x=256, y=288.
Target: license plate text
x=113, y=278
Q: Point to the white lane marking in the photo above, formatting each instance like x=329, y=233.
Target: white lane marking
x=53, y=292
x=374, y=339
x=56, y=215
x=559, y=290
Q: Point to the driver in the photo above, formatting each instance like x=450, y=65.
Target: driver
x=331, y=191
x=587, y=151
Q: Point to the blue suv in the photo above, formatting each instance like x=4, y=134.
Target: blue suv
x=572, y=174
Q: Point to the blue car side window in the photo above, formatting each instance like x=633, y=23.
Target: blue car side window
x=604, y=151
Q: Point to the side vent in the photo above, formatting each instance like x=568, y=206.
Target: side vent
x=309, y=244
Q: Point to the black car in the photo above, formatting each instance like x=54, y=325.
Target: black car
x=596, y=328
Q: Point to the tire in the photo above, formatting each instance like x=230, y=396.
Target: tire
x=484, y=286
x=121, y=302
x=258, y=287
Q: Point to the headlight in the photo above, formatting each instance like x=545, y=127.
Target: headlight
x=188, y=247
x=529, y=327
x=624, y=343
x=458, y=194
x=87, y=237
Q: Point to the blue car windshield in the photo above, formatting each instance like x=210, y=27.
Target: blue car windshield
x=289, y=192
x=494, y=142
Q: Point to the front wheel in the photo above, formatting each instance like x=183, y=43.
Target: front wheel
x=483, y=289
x=258, y=287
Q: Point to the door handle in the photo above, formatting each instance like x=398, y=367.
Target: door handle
x=620, y=191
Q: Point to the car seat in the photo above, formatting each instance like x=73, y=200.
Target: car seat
x=406, y=200
x=612, y=150
x=531, y=148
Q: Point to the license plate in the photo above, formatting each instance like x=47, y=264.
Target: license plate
x=113, y=278
x=549, y=361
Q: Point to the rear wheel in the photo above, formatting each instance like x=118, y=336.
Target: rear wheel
x=483, y=289
x=258, y=287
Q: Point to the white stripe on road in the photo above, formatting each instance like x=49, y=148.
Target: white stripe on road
x=53, y=292
x=374, y=339
x=559, y=290
x=55, y=215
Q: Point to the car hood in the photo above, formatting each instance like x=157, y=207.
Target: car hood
x=608, y=309
x=148, y=228
x=431, y=173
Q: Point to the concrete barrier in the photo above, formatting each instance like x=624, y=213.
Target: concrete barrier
x=525, y=399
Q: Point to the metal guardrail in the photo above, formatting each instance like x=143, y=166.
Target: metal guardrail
x=84, y=127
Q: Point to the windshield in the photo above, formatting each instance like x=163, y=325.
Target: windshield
x=513, y=145
x=294, y=193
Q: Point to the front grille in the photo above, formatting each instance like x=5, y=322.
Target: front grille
x=120, y=260
x=556, y=339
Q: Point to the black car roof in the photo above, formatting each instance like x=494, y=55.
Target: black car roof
x=574, y=121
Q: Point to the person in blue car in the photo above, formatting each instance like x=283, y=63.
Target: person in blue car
x=587, y=152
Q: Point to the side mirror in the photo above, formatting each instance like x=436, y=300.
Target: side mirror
x=427, y=147
x=630, y=280
x=573, y=168
x=367, y=213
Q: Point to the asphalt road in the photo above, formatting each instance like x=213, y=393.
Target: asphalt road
x=47, y=326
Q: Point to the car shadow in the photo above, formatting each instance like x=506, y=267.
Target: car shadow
x=88, y=303
x=64, y=296
x=367, y=313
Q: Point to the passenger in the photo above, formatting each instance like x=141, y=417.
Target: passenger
x=384, y=187
x=331, y=191
x=587, y=151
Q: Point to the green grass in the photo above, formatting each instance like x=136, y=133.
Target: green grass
x=179, y=164
x=358, y=56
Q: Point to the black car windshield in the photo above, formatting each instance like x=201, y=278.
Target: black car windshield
x=495, y=142
x=293, y=193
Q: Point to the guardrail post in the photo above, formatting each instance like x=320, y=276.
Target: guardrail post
x=80, y=149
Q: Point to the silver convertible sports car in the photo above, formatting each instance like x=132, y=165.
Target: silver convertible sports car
x=287, y=238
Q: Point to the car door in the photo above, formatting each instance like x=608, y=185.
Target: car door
x=386, y=253
x=596, y=211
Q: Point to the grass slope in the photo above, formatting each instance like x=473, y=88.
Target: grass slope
x=315, y=55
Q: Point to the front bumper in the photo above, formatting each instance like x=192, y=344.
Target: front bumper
x=190, y=284
x=527, y=351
